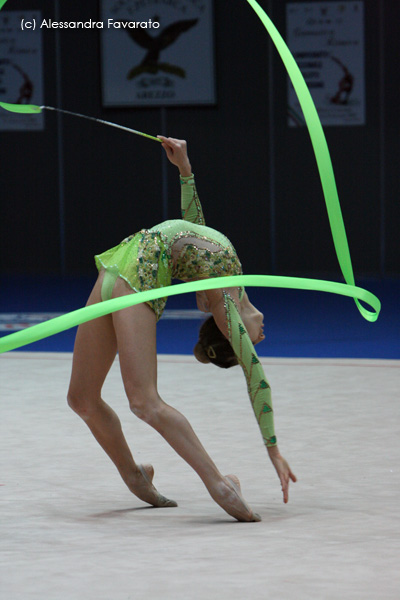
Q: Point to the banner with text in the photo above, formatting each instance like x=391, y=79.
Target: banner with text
x=327, y=41
x=157, y=52
x=21, y=69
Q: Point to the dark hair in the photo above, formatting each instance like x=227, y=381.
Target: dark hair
x=214, y=347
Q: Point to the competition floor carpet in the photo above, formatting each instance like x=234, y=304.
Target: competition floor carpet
x=71, y=529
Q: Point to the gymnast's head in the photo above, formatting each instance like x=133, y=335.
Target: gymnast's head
x=213, y=347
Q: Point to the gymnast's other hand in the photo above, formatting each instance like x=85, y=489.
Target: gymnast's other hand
x=176, y=151
x=283, y=470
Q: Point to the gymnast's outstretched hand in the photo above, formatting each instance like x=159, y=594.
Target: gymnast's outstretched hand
x=283, y=470
x=176, y=151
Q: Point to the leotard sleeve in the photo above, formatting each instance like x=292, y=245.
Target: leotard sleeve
x=257, y=384
x=190, y=203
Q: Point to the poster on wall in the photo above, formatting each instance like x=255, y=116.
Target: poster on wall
x=327, y=41
x=157, y=52
x=21, y=69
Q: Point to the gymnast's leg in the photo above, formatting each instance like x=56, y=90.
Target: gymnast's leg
x=94, y=352
x=135, y=329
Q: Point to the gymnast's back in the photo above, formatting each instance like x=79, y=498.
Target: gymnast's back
x=184, y=249
x=197, y=251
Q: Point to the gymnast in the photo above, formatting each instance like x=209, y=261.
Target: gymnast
x=184, y=249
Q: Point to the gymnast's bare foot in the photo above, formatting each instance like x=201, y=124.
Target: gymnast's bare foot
x=232, y=501
x=145, y=490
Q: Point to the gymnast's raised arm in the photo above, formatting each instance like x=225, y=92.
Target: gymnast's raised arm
x=176, y=151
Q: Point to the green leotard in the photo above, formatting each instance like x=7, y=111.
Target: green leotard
x=187, y=249
x=183, y=249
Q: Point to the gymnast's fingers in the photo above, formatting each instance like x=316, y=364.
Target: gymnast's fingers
x=169, y=150
x=285, y=488
x=175, y=144
x=285, y=479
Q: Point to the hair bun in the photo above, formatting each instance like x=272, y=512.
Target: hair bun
x=200, y=353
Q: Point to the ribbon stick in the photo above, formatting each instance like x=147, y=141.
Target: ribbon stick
x=32, y=109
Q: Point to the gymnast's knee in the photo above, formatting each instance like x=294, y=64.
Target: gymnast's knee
x=81, y=405
x=145, y=404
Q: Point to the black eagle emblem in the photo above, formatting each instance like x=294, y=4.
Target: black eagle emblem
x=155, y=45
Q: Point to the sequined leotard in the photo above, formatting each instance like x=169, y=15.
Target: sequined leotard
x=186, y=249
x=183, y=249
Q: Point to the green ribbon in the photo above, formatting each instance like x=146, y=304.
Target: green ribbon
x=53, y=326
x=321, y=152
x=21, y=108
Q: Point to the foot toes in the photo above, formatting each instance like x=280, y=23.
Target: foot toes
x=165, y=502
x=156, y=499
